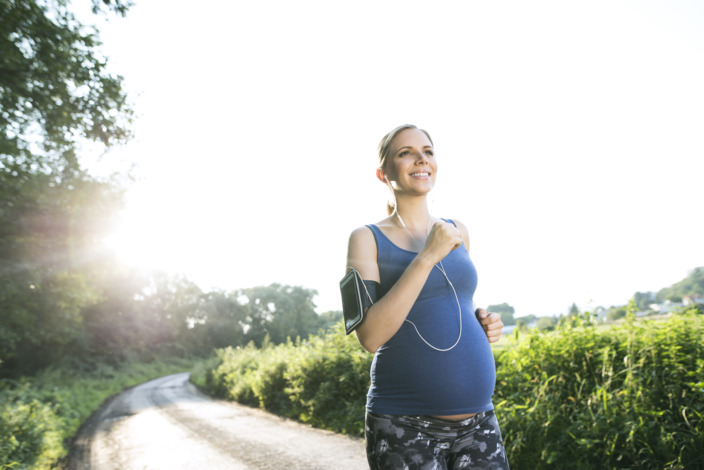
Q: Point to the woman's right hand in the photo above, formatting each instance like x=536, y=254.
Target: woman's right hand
x=442, y=239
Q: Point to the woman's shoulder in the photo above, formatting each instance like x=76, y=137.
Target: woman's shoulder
x=366, y=231
x=362, y=235
x=362, y=252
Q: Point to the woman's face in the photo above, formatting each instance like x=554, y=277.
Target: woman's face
x=411, y=165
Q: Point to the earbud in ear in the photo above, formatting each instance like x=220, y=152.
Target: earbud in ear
x=380, y=174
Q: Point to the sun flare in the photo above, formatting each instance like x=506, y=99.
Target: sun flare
x=143, y=242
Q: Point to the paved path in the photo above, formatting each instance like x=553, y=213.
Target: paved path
x=167, y=423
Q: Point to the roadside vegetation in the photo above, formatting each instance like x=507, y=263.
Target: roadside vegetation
x=578, y=397
x=631, y=396
x=322, y=381
x=39, y=414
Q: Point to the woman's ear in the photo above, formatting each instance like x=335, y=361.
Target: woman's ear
x=380, y=175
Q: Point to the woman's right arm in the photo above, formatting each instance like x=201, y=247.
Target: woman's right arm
x=385, y=317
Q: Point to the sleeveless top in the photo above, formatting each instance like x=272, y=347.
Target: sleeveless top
x=408, y=377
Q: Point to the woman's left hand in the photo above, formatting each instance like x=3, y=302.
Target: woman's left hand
x=492, y=324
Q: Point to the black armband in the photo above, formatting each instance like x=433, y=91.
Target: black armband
x=372, y=288
x=357, y=297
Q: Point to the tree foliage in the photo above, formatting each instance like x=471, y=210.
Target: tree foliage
x=616, y=313
x=279, y=311
x=506, y=312
x=62, y=293
x=546, y=323
x=50, y=249
x=54, y=86
x=693, y=284
x=643, y=300
x=55, y=93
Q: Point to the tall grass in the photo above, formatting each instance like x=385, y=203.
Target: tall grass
x=38, y=414
x=581, y=397
x=628, y=397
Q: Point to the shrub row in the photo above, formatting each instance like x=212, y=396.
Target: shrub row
x=581, y=397
x=321, y=381
x=627, y=397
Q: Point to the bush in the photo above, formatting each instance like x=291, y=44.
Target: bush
x=230, y=378
x=627, y=397
x=328, y=381
x=30, y=431
x=322, y=381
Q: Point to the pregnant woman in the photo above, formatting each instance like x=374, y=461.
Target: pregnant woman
x=429, y=405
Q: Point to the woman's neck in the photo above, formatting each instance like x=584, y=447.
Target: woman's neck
x=415, y=216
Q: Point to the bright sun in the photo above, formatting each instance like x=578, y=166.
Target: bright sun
x=145, y=241
x=136, y=248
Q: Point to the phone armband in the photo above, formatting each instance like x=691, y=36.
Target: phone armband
x=357, y=296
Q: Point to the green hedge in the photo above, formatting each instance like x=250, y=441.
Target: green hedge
x=631, y=396
x=581, y=397
x=322, y=381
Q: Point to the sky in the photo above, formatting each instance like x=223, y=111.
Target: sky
x=569, y=139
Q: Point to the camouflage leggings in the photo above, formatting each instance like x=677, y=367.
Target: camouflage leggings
x=427, y=443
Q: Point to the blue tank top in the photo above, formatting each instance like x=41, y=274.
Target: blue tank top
x=408, y=377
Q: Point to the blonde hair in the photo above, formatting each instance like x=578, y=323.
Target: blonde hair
x=385, y=148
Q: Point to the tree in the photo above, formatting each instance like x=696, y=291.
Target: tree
x=50, y=236
x=330, y=318
x=574, y=310
x=170, y=308
x=54, y=87
x=546, y=323
x=616, y=313
x=220, y=322
x=506, y=312
x=691, y=285
x=280, y=312
x=643, y=300
x=523, y=322
x=54, y=94
x=114, y=325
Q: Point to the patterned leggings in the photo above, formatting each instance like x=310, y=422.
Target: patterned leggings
x=427, y=443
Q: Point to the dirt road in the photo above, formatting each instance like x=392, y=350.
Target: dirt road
x=168, y=424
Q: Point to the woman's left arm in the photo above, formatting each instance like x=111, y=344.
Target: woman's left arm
x=491, y=322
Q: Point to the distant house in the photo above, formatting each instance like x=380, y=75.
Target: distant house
x=665, y=307
x=600, y=313
x=693, y=300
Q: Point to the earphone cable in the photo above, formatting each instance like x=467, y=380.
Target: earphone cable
x=444, y=273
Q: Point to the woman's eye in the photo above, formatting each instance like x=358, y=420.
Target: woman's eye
x=404, y=153
x=429, y=152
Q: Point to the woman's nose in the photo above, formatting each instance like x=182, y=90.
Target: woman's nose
x=422, y=158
